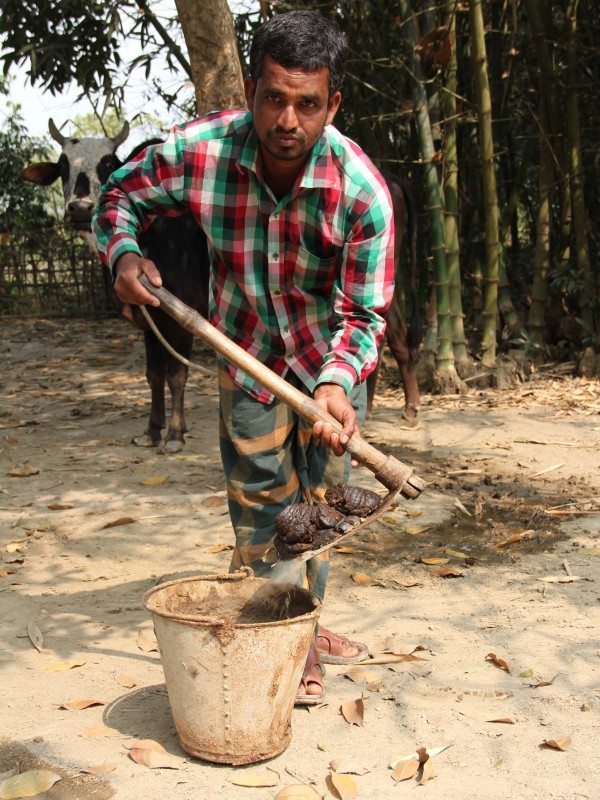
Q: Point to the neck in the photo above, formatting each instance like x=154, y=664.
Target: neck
x=280, y=176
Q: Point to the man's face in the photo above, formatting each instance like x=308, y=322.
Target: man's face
x=290, y=108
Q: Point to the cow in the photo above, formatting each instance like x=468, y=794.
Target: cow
x=403, y=339
x=176, y=244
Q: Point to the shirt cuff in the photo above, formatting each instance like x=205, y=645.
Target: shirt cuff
x=118, y=247
x=338, y=372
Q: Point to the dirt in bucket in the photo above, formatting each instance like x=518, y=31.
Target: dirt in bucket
x=270, y=602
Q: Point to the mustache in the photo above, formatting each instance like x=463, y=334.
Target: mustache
x=278, y=131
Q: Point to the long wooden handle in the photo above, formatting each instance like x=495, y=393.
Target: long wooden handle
x=391, y=472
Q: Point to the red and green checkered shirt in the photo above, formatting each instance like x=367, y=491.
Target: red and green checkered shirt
x=300, y=283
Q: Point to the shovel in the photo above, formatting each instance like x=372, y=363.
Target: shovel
x=398, y=478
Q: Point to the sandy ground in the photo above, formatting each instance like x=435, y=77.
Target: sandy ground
x=513, y=493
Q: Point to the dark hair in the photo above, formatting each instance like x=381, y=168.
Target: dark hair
x=302, y=39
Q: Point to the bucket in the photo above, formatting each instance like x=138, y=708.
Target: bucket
x=233, y=649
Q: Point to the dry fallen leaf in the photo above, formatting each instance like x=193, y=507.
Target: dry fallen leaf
x=434, y=561
x=97, y=731
x=404, y=770
x=430, y=751
x=558, y=744
x=62, y=666
x=366, y=580
x=447, y=572
x=539, y=684
x=151, y=754
x=117, y=523
x=217, y=548
x=342, y=786
x=156, y=480
x=100, y=769
x=298, y=791
x=428, y=771
x=561, y=579
x=125, y=681
x=213, y=501
x=353, y=711
x=507, y=720
x=146, y=641
x=23, y=472
x=498, y=661
x=59, y=506
x=35, y=635
x=28, y=784
x=255, y=780
x=79, y=705
x=391, y=658
x=362, y=675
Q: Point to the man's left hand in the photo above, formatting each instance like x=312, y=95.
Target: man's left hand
x=332, y=398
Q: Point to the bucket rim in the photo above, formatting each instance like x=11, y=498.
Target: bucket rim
x=216, y=621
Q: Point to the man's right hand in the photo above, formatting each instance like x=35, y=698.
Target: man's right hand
x=128, y=269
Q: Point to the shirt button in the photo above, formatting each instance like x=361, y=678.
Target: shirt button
x=275, y=256
x=286, y=328
x=277, y=292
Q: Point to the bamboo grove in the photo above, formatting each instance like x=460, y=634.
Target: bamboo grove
x=491, y=108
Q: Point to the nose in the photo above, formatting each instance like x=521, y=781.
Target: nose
x=288, y=120
x=79, y=211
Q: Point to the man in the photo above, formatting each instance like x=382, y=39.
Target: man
x=299, y=227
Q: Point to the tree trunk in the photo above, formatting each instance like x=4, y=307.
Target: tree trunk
x=488, y=177
x=582, y=254
x=459, y=344
x=446, y=378
x=212, y=48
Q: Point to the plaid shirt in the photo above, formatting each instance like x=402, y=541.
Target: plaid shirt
x=300, y=283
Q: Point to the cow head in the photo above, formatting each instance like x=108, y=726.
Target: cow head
x=83, y=166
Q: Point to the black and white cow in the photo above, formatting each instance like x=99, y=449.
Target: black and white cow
x=176, y=244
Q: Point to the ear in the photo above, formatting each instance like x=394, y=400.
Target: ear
x=43, y=173
x=332, y=106
x=249, y=87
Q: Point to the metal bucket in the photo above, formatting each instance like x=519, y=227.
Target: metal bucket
x=233, y=648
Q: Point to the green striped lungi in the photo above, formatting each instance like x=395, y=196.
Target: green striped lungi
x=269, y=462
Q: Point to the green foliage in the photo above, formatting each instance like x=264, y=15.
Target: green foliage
x=23, y=206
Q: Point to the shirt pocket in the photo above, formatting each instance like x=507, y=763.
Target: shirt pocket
x=309, y=273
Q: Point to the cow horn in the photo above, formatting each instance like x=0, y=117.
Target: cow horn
x=55, y=133
x=120, y=137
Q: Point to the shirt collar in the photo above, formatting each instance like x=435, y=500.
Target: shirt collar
x=319, y=171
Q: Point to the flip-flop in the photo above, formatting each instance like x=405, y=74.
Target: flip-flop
x=311, y=699
x=326, y=656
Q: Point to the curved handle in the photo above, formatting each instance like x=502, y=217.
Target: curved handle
x=391, y=472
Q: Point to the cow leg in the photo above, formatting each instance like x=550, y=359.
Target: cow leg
x=177, y=375
x=396, y=333
x=156, y=370
x=372, y=383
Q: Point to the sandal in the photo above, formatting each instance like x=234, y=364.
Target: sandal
x=327, y=642
x=313, y=674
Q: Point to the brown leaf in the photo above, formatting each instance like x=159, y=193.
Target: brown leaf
x=397, y=645
x=514, y=539
x=428, y=771
x=419, y=755
x=558, y=744
x=151, y=754
x=23, y=472
x=434, y=561
x=79, y=705
x=498, y=661
x=213, y=501
x=543, y=683
x=298, y=791
x=362, y=675
x=366, y=580
x=4, y=573
x=342, y=786
x=146, y=641
x=59, y=506
x=156, y=480
x=28, y=784
x=100, y=769
x=561, y=579
x=125, y=681
x=353, y=711
x=35, y=635
x=255, y=780
x=507, y=720
x=62, y=666
x=404, y=770
x=392, y=659
x=117, y=522
x=447, y=572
